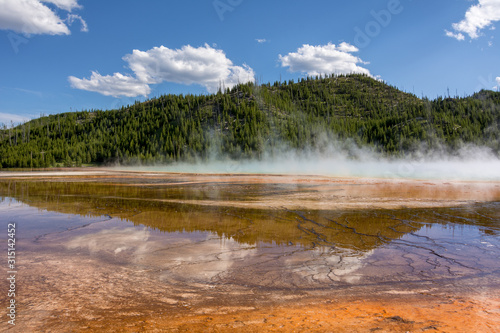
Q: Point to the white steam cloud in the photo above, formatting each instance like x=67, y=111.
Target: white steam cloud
x=349, y=160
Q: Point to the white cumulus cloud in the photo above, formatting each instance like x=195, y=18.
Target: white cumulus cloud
x=457, y=36
x=111, y=85
x=67, y=5
x=324, y=59
x=497, y=87
x=72, y=18
x=203, y=65
x=477, y=18
x=35, y=17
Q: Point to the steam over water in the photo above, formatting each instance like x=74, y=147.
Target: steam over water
x=467, y=164
x=453, y=170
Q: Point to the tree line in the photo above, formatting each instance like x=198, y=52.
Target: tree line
x=250, y=120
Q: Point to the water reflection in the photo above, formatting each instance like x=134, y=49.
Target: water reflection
x=179, y=241
x=357, y=230
x=113, y=240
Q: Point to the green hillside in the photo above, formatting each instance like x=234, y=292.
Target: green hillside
x=248, y=120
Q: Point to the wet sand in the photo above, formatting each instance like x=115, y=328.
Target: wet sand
x=252, y=253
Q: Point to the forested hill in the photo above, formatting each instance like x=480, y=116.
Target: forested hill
x=251, y=119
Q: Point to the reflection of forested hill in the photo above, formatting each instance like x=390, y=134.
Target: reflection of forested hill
x=250, y=120
x=361, y=230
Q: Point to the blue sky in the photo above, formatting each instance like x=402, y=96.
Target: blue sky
x=63, y=55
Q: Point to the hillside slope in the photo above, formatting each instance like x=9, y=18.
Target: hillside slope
x=249, y=120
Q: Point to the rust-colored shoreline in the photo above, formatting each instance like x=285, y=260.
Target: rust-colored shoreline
x=402, y=315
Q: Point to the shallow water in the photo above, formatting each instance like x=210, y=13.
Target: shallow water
x=99, y=249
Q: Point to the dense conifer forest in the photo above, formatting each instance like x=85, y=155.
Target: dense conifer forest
x=250, y=119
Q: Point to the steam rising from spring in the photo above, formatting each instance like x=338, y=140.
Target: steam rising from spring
x=348, y=160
